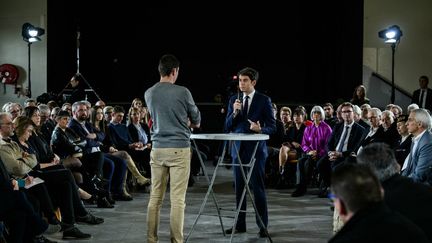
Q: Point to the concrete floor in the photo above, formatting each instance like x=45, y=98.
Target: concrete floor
x=304, y=219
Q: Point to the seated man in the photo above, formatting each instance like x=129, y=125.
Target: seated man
x=418, y=164
x=401, y=194
x=343, y=143
x=358, y=198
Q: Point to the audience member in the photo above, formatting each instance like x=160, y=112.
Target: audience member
x=403, y=148
x=401, y=194
x=358, y=197
x=314, y=145
x=423, y=96
x=343, y=144
x=418, y=164
x=359, y=97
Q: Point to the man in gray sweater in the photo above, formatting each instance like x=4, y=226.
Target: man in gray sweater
x=173, y=112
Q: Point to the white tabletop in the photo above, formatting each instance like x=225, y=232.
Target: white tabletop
x=230, y=136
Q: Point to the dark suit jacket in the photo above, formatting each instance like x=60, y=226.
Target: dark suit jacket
x=376, y=138
x=402, y=150
x=133, y=131
x=364, y=124
x=356, y=136
x=377, y=223
x=260, y=110
x=7, y=201
x=392, y=136
x=413, y=200
x=79, y=130
x=416, y=99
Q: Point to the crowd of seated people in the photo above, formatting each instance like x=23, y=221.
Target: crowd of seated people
x=79, y=158
x=102, y=152
x=353, y=129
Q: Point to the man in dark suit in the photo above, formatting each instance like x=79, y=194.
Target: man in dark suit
x=423, y=96
x=401, y=194
x=253, y=115
x=403, y=149
x=418, y=164
x=358, y=198
x=343, y=143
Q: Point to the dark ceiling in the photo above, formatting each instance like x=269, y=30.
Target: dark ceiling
x=305, y=53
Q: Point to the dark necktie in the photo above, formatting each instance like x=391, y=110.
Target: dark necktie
x=246, y=105
x=421, y=98
x=342, y=141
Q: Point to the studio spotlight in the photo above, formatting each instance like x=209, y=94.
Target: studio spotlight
x=30, y=33
x=392, y=36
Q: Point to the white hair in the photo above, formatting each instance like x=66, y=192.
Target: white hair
x=317, y=109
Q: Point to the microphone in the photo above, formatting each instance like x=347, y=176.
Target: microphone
x=237, y=111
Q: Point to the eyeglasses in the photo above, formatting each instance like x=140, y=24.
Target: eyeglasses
x=6, y=123
x=347, y=111
x=371, y=117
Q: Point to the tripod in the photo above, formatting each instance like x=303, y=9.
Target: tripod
x=78, y=74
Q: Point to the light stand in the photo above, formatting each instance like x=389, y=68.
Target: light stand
x=29, y=94
x=392, y=36
x=30, y=34
x=392, y=98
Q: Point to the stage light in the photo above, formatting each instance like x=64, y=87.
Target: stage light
x=30, y=34
x=391, y=35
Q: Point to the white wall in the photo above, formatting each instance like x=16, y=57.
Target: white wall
x=14, y=50
x=413, y=56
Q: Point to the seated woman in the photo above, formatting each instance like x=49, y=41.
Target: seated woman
x=139, y=132
x=122, y=140
x=20, y=160
x=291, y=148
x=68, y=145
x=24, y=224
x=359, y=96
x=314, y=145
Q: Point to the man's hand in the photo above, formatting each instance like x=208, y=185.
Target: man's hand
x=296, y=145
x=313, y=154
x=334, y=155
x=91, y=136
x=237, y=106
x=255, y=126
